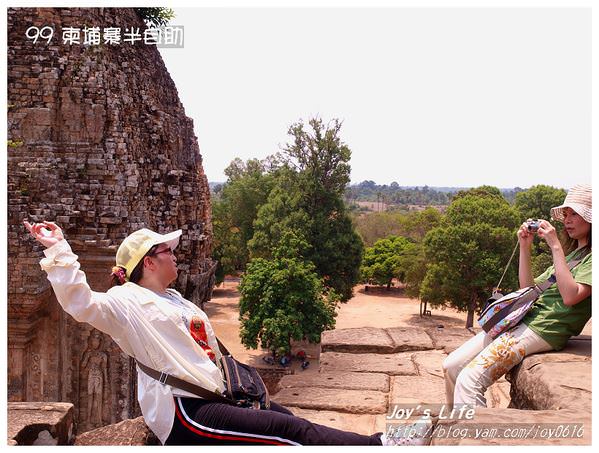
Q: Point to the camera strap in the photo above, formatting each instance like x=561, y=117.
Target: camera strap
x=506, y=268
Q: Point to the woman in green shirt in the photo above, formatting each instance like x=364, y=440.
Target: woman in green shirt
x=559, y=313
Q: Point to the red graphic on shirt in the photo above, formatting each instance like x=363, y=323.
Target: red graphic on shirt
x=197, y=329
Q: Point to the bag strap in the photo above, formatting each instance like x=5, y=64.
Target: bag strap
x=223, y=349
x=173, y=381
x=168, y=379
x=552, y=279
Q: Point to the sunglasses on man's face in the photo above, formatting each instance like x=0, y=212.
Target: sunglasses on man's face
x=166, y=250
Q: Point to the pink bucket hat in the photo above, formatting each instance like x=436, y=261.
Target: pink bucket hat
x=580, y=199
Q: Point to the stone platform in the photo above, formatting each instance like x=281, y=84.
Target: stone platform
x=550, y=395
x=362, y=368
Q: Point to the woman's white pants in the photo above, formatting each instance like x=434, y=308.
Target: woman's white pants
x=480, y=361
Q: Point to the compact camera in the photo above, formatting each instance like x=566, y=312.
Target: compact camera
x=533, y=225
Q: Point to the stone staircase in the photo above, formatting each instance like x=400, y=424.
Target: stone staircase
x=365, y=370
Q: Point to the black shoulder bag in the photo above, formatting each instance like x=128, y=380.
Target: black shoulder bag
x=244, y=386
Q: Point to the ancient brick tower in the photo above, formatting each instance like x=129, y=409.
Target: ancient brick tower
x=98, y=142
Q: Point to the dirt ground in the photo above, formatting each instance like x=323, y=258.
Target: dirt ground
x=376, y=307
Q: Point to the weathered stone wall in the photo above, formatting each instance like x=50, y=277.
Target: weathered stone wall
x=102, y=147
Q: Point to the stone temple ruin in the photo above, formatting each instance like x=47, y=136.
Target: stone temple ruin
x=100, y=144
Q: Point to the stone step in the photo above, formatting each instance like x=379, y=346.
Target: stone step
x=375, y=340
x=450, y=432
x=340, y=400
x=357, y=340
x=429, y=362
x=341, y=380
x=410, y=339
x=361, y=424
x=449, y=338
x=399, y=363
x=418, y=393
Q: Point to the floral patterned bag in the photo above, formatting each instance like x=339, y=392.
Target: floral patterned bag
x=504, y=312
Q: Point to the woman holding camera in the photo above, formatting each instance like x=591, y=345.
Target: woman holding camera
x=559, y=313
x=164, y=331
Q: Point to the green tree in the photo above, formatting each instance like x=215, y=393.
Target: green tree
x=482, y=191
x=283, y=299
x=536, y=203
x=415, y=267
x=417, y=224
x=282, y=212
x=308, y=199
x=383, y=261
x=235, y=210
x=467, y=253
x=377, y=225
x=156, y=17
x=322, y=160
x=227, y=246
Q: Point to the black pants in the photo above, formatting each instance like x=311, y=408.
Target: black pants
x=202, y=422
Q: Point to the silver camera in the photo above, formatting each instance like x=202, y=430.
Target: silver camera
x=533, y=225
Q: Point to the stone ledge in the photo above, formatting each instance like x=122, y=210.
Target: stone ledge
x=375, y=340
x=448, y=338
x=341, y=380
x=361, y=424
x=450, y=432
x=328, y=399
x=555, y=380
x=40, y=423
x=128, y=432
x=399, y=363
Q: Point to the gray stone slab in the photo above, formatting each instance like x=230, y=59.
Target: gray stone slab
x=340, y=400
x=450, y=432
x=418, y=393
x=552, y=381
x=356, y=423
x=409, y=339
x=429, y=362
x=344, y=380
x=449, y=338
x=393, y=364
x=357, y=340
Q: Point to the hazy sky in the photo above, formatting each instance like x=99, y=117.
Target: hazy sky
x=443, y=97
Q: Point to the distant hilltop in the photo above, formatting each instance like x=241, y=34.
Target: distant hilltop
x=368, y=195
x=215, y=184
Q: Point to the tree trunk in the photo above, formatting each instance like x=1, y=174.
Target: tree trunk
x=470, y=318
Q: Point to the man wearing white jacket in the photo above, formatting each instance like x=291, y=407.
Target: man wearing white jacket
x=164, y=331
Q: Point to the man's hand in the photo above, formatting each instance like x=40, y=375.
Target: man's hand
x=46, y=233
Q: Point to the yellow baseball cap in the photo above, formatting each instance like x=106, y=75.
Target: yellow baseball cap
x=137, y=244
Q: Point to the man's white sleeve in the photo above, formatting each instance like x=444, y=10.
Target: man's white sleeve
x=101, y=310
